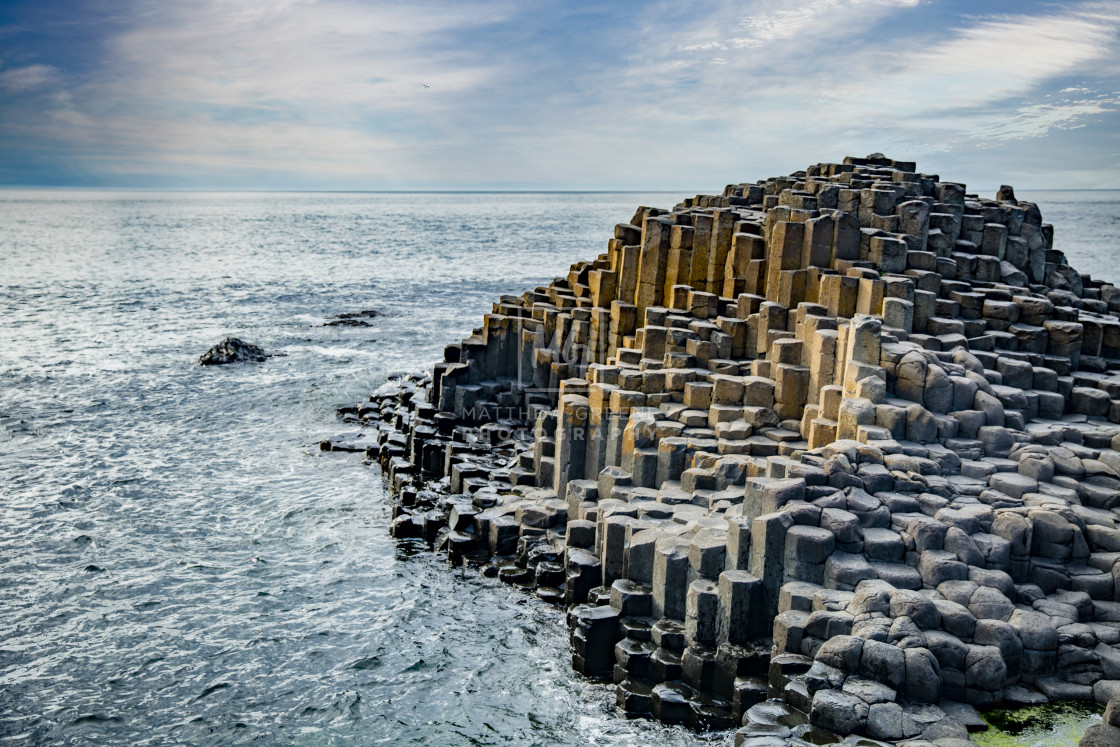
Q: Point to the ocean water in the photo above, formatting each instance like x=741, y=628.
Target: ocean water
x=178, y=561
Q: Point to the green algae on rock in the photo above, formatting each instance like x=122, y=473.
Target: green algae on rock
x=1049, y=725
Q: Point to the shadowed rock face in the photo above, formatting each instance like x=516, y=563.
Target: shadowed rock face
x=232, y=350
x=848, y=438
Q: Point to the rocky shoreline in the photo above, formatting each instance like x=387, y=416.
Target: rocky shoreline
x=829, y=456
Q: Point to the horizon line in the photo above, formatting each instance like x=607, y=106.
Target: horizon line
x=174, y=190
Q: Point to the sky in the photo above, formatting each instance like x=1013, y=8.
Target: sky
x=526, y=94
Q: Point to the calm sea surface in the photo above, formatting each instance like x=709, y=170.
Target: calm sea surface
x=178, y=561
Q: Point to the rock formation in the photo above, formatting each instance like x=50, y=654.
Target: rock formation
x=833, y=452
x=232, y=350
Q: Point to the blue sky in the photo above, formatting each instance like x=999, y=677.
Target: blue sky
x=343, y=94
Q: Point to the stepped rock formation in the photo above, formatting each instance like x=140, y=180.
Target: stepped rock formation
x=833, y=452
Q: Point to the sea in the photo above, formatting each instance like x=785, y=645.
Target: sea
x=181, y=564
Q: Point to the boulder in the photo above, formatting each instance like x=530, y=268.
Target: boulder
x=1101, y=735
x=839, y=712
x=232, y=350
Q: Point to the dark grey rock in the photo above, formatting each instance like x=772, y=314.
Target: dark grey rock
x=839, y=712
x=1039, y=467
x=823, y=677
x=947, y=732
x=961, y=544
x=984, y=668
x=1035, y=630
x=927, y=533
x=938, y=394
x=883, y=544
x=923, y=676
x=848, y=569
x=998, y=580
x=956, y=618
x=964, y=714
x=905, y=634
x=869, y=691
x=884, y=663
x=1020, y=696
x=1002, y=636
x=232, y=350
x=842, y=652
x=918, y=607
x=871, y=596
x=1013, y=484
x=987, y=602
x=844, y=524
x=937, y=567
x=887, y=721
x=809, y=544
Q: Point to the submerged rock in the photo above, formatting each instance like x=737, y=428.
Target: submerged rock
x=232, y=350
x=353, y=319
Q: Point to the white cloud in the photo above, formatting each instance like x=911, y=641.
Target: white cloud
x=320, y=87
x=1036, y=120
x=820, y=80
x=786, y=22
x=762, y=32
x=680, y=95
x=993, y=60
x=28, y=78
x=333, y=52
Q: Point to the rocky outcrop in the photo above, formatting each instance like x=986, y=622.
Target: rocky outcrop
x=232, y=350
x=353, y=319
x=847, y=440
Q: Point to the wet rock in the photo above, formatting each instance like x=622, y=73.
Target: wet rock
x=232, y=350
x=633, y=697
x=669, y=703
x=354, y=316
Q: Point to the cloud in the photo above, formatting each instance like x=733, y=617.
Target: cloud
x=28, y=78
x=333, y=52
x=820, y=80
x=774, y=24
x=525, y=94
x=992, y=60
x=317, y=87
x=1037, y=120
x=762, y=34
